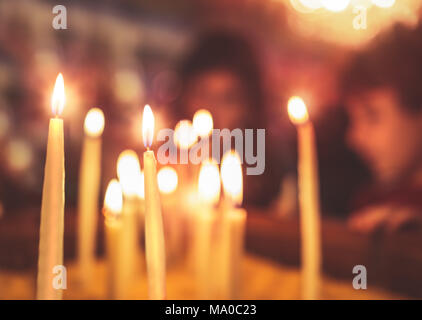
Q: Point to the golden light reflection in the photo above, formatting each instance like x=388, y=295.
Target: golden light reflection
x=167, y=180
x=147, y=126
x=140, y=187
x=94, y=122
x=128, y=172
x=202, y=123
x=58, y=96
x=19, y=155
x=297, y=110
x=113, y=199
x=209, y=183
x=231, y=176
x=184, y=134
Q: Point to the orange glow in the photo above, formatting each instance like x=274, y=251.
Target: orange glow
x=94, y=122
x=167, y=180
x=58, y=96
x=297, y=110
x=209, y=183
x=231, y=175
x=128, y=172
x=184, y=134
x=113, y=199
x=148, y=126
x=202, y=123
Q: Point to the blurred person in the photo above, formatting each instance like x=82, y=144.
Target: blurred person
x=384, y=101
x=222, y=73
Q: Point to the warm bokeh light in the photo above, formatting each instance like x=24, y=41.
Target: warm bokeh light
x=19, y=155
x=184, y=134
x=384, y=3
x=297, y=110
x=231, y=176
x=140, y=187
x=167, y=180
x=94, y=122
x=209, y=183
x=128, y=171
x=58, y=96
x=335, y=5
x=148, y=126
x=202, y=123
x=113, y=199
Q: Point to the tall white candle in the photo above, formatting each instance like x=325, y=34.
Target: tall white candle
x=52, y=206
x=88, y=192
x=113, y=202
x=154, y=235
x=205, y=255
x=308, y=187
x=129, y=172
x=233, y=225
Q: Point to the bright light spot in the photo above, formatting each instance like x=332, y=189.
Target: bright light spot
x=128, y=172
x=113, y=199
x=209, y=184
x=202, y=123
x=297, y=110
x=184, y=134
x=231, y=175
x=167, y=180
x=384, y=3
x=94, y=122
x=147, y=126
x=58, y=96
x=19, y=155
x=335, y=5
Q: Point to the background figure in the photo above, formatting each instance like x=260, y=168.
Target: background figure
x=384, y=102
x=222, y=74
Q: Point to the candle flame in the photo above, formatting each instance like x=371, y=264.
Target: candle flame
x=113, y=199
x=167, y=180
x=128, y=172
x=58, y=96
x=148, y=126
x=202, y=123
x=184, y=134
x=231, y=176
x=94, y=122
x=209, y=183
x=297, y=110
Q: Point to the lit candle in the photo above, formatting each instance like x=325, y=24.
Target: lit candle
x=167, y=184
x=154, y=236
x=184, y=138
x=308, y=186
x=202, y=123
x=113, y=202
x=88, y=192
x=52, y=205
x=204, y=252
x=233, y=225
x=129, y=172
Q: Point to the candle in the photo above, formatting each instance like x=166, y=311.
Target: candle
x=88, y=192
x=308, y=186
x=167, y=184
x=233, y=225
x=113, y=202
x=204, y=252
x=129, y=172
x=154, y=236
x=52, y=205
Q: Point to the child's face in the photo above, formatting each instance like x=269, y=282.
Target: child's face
x=385, y=135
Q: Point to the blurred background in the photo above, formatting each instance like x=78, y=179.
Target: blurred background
x=240, y=59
